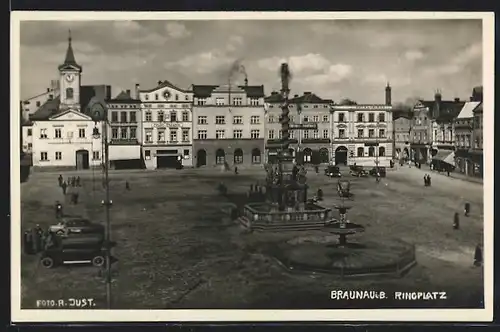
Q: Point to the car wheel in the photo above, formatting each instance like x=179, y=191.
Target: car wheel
x=98, y=261
x=47, y=262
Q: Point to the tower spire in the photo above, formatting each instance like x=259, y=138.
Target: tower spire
x=70, y=56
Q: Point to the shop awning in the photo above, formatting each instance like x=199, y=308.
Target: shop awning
x=445, y=156
x=124, y=152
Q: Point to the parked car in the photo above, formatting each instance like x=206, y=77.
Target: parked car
x=358, y=171
x=333, y=171
x=87, y=249
x=381, y=170
x=70, y=225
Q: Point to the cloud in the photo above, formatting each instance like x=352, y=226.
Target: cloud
x=414, y=55
x=177, y=30
x=202, y=63
x=234, y=42
x=455, y=64
x=334, y=74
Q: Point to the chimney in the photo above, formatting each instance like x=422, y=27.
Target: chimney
x=457, y=100
x=246, y=81
x=274, y=93
x=307, y=93
x=437, y=96
x=48, y=89
x=108, y=92
x=128, y=92
x=160, y=82
x=137, y=88
x=471, y=99
x=388, y=95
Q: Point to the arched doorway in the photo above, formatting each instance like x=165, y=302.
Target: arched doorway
x=82, y=159
x=341, y=155
x=381, y=151
x=371, y=151
x=323, y=156
x=220, y=157
x=256, y=156
x=307, y=155
x=238, y=156
x=201, y=158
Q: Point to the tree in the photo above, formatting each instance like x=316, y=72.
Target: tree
x=347, y=101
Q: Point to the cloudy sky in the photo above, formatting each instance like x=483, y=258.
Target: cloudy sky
x=334, y=59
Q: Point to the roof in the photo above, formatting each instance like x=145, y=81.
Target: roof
x=253, y=91
x=124, y=97
x=70, y=60
x=306, y=98
x=203, y=91
x=468, y=110
x=479, y=108
x=48, y=109
x=275, y=97
x=164, y=84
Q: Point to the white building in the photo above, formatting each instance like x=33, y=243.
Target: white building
x=362, y=135
x=166, y=114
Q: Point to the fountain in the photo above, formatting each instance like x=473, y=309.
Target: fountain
x=286, y=206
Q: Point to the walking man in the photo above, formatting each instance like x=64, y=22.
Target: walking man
x=59, y=210
x=64, y=186
x=60, y=180
x=78, y=181
x=456, y=221
x=467, y=209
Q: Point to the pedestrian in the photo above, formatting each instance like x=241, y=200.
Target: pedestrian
x=35, y=241
x=78, y=181
x=29, y=242
x=378, y=176
x=26, y=244
x=236, y=170
x=73, y=181
x=64, y=186
x=127, y=185
x=467, y=209
x=425, y=180
x=59, y=210
x=60, y=180
x=456, y=221
x=316, y=169
x=320, y=194
x=448, y=172
x=75, y=197
x=478, y=256
x=428, y=180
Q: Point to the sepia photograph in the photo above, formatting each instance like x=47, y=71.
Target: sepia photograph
x=252, y=167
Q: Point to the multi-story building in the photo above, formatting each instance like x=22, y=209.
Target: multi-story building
x=124, y=130
x=476, y=152
x=463, y=137
x=402, y=127
x=61, y=130
x=166, y=113
x=229, y=122
x=420, y=132
x=307, y=145
x=30, y=105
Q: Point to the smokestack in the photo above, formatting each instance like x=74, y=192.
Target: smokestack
x=388, y=95
x=128, y=92
x=48, y=89
x=137, y=88
x=246, y=81
x=437, y=96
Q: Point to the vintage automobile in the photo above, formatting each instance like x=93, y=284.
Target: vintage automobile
x=83, y=249
x=381, y=170
x=358, y=171
x=69, y=225
x=333, y=171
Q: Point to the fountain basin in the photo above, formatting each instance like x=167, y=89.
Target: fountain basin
x=340, y=228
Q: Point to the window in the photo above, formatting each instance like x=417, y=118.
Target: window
x=149, y=136
x=360, y=117
x=161, y=135
x=315, y=106
x=161, y=116
x=371, y=151
x=176, y=97
x=202, y=101
x=146, y=97
x=173, y=116
x=30, y=132
x=147, y=154
x=341, y=117
x=123, y=117
x=280, y=134
x=219, y=101
x=123, y=133
x=237, y=101
x=305, y=119
x=51, y=96
x=133, y=133
x=58, y=155
x=381, y=151
x=69, y=93
x=361, y=152
x=185, y=135
x=237, y=119
x=220, y=157
x=156, y=96
x=238, y=156
x=292, y=119
x=270, y=134
x=148, y=116
x=187, y=97
x=315, y=134
x=114, y=132
x=220, y=134
x=96, y=155
x=43, y=156
x=173, y=135
x=202, y=134
x=38, y=104
x=360, y=133
x=185, y=116
x=220, y=119
x=132, y=117
x=325, y=133
x=186, y=152
x=371, y=133
x=202, y=120
x=58, y=133
x=325, y=118
x=371, y=117
x=254, y=101
x=256, y=156
x=254, y=119
x=271, y=119
x=315, y=118
x=306, y=134
x=291, y=134
x=381, y=133
x=255, y=133
x=238, y=133
x=381, y=117
x=81, y=132
x=341, y=133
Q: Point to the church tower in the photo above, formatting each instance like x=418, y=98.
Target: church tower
x=388, y=94
x=70, y=80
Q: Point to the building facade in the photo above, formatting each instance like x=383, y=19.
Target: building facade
x=463, y=138
x=124, y=131
x=402, y=128
x=362, y=135
x=308, y=146
x=229, y=125
x=166, y=115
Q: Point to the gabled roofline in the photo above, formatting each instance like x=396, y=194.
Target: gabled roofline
x=166, y=84
x=55, y=116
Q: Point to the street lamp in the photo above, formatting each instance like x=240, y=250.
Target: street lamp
x=100, y=114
